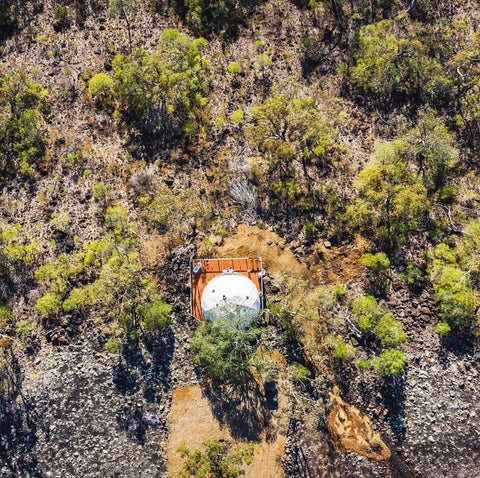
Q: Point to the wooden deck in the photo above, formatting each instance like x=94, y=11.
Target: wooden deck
x=210, y=268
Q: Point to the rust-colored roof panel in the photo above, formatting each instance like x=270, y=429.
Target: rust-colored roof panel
x=249, y=267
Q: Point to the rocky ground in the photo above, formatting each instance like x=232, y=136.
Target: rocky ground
x=93, y=416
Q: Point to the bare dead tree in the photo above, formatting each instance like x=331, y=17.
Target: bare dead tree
x=244, y=194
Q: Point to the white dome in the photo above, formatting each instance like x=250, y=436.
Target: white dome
x=230, y=294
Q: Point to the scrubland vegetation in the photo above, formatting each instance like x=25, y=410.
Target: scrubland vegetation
x=135, y=135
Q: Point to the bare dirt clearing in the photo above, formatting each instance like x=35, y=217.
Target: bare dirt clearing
x=192, y=421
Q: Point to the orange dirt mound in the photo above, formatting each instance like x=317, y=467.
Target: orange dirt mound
x=335, y=265
x=250, y=241
x=351, y=430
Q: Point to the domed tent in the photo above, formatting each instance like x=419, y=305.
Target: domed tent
x=230, y=295
x=226, y=288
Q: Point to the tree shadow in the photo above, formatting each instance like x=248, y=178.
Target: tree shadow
x=243, y=409
x=394, y=394
x=145, y=365
x=459, y=345
x=346, y=374
x=136, y=420
x=18, y=425
x=212, y=21
x=143, y=371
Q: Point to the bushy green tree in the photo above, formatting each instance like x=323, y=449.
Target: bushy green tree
x=342, y=351
x=113, y=346
x=18, y=251
x=468, y=249
x=377, y=318
x=100, y=86
x=217, y=460
x=226, y=348
x=390, y=331
x=395, y=64
x=391, y=201
x=431, y=148
x=163, y=92
x=363, y=364
x=22, y=124
x=443, y=328
x=295, y=139
x=368, y=311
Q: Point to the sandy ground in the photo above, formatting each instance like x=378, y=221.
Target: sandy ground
x=192, y=421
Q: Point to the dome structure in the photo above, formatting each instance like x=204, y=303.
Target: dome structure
x=231, y=295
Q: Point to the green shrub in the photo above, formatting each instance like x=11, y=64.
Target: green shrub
x=295, y=138
x=216, y=459
x=154, y=316
x=17, y=250
x=379, y=266
x=363, y=364
x=61, y=13
x=49, y=304
x=101, y=86
x=378, y=262
x=61, y=220
x=390, y=362
x=5, y=315
x=368, y=311
x=105, y=276
x=394, y=64
x=342, y=350
x=99, y=191
x=390, y=331
x=377, y=318
x=413, y=274
x=456, y=297
x=290, y=329
x=114, y=346
x=442, y=328
x=234, y=68
x=262, y=61
x=237, y=116
x=309, y=230
x=25, y=328
x=176, y=212
x=431, y=147
x=299, y=371
x=391, y=202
